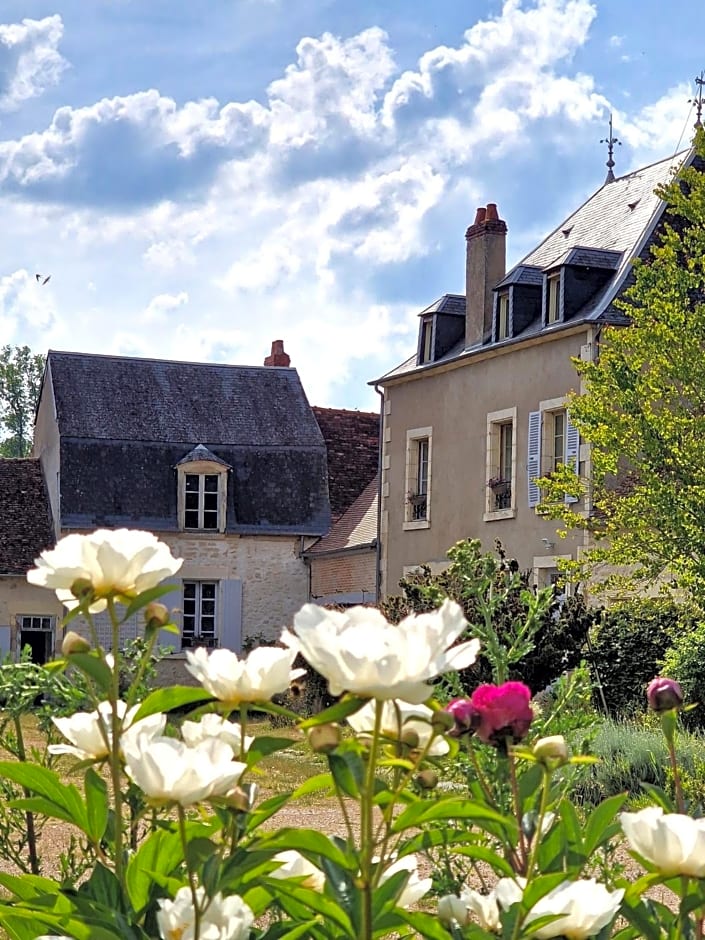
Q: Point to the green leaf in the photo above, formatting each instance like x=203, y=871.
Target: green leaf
x=96, y=805
x=264, y=746
x=65, y=798
x=347, y=705
x=160, y=853
x=601, y=825
x=426, y=812
x=93, y=665
x=266, y=810
x=426, y=925
x=307, y=841
x=146, y=597
x=104, y=887
x=313, y=785
x=167, y=699
x=348, y=772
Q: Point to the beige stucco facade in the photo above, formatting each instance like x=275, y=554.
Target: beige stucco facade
x=454, y=405
x=19, y=600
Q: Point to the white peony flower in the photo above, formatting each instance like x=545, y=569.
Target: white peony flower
x=112, y=561
x=89, y=742
x=672, y=842
x=294, y=865
x=358, y=651
x=415, y=887
x=214, y=726
x=398, y=717
x=452, y=908
x=169, y=771
x=221, y=918
x=265, y=672
x=586, y=907
x=485, y=907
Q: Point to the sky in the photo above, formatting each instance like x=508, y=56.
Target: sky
x=200, y=179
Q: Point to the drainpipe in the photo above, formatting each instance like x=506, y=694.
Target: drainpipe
x=378, y=549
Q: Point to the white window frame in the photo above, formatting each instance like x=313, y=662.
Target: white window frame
x=543, y=568
x=211, y=640
x=426, y=339
x=20, y=621
x=553, y=293
x=202, y=469
x=495, y=421
x=503, y=315
x=547, y=459
x=413, y=437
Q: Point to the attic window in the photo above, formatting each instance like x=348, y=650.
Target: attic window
x=503, y=315
x=632, y=205
x=202, y=480
x=426, y=341
x=553, y=297
x=567, y=231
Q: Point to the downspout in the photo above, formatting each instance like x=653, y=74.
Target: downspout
x=378, y=548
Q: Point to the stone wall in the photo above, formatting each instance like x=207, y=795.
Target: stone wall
x=345, y=573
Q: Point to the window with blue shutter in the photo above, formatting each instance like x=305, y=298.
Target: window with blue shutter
x=572, y=451
x=533, y=459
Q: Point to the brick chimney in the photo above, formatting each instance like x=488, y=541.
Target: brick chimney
x=277, y=357
x=485, y=266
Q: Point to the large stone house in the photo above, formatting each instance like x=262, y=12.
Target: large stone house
x=478, y=412
x=226, y=464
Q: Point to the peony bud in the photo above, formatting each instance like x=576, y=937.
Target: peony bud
x=82, y=588
x=410, y=738
x=664, y=694
x=551, y=749
x=73, y=643
x=465, y=715
x=157, y=615
x=442, y=721
x=324, y=738
x=427, y=780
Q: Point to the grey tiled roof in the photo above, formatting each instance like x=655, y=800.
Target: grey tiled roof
x=522, y=274
x=25, y=520
x=125, y=424
x=202, y=453
x=448, y=303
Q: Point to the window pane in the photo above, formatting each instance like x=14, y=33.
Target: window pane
x=210, y=502
x=208, y=589
x=191, y=519
x=210, y=484
x=210, y=520
x=192, y=482
x=192, y=501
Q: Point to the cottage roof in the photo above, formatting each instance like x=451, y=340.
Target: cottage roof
x=25, y=520
x=352, y=442
x=125, y=424
x=356, y=528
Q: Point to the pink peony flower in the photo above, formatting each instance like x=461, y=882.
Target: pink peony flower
x=466, y=717
x=504, y=712
x=664, y=694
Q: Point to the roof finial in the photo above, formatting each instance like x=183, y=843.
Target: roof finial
x=698, y=100
x=610, y=141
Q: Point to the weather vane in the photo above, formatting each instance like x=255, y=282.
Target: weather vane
x=610, y=141
x=698, y=100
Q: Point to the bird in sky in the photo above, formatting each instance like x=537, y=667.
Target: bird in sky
x=43, y=278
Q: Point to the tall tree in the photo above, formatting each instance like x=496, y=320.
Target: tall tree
x=21, y=373
x=643, y=408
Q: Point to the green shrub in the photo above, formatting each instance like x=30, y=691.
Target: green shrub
x=627, y=648
x=685, y=662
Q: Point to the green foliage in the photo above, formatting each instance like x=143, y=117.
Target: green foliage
x=685, y=662
x=627, y=647
x=526, y=636
x=643, y=409
x=21, y=373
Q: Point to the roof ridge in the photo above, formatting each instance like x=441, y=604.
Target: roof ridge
x=179, y=362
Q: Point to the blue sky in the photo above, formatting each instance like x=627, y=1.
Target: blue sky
x=200, y=179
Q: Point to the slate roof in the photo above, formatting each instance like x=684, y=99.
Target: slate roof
x=126, y=423
x=609, y=230
x=25, y=519
x=448, y=303
x=356, y=528
x=352, y=441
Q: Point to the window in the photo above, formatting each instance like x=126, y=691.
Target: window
x=199, y=614
x=201, y=500
x=32, y=622
x=553, y=442
x=553, y=295
x=557, y=432
x=501, y=465
x=202, y=481
x=417, y=514
x=503, y=315
x=426, y=347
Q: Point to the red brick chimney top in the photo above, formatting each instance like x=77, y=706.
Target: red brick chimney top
x=487, y=220
x=278, y=357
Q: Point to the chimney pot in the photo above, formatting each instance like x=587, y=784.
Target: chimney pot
x=480, y=216
x=491, y=215
x=278, y=357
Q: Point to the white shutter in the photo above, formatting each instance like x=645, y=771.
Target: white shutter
x=174, y=600
x=572, y=451
x=533, y=460
x=231, y=615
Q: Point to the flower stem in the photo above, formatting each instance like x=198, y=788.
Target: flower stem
x=29, y=816
x=367, y=841
x=516, y=800
x=114, y=755
x=243, y=730
x=191, y=873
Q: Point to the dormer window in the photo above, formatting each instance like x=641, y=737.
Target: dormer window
x=202, y=480
x=426, y=344
x=553, y=297
x=503, y=315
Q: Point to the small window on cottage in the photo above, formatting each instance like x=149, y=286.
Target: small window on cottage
x=426, y=351
x=553, y=286
x=503, y=316
x=501, y=465
x=418, y=478
x=199, y=614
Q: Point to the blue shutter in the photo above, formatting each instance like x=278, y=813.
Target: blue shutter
x=174, y=600
x=533, y=460
x=572, y=451
x=5, y=634
x=231, y=615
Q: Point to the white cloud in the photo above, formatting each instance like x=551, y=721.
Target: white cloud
x=27, y=308
x=159, y=307
x=29, y=58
